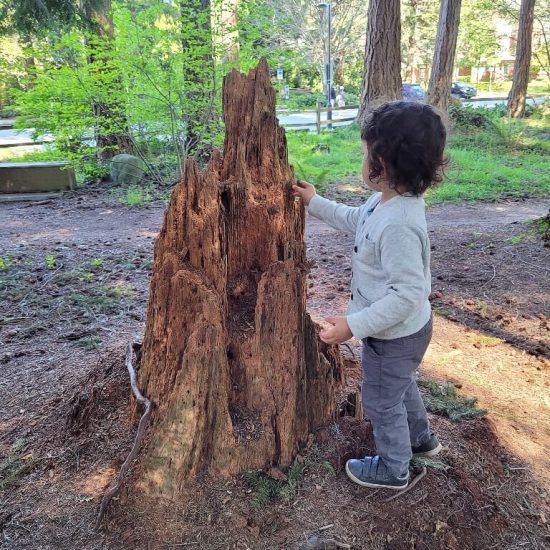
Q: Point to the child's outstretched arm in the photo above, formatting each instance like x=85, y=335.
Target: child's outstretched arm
x=339, y=216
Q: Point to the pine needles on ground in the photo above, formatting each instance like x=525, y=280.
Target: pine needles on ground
x=443, y=399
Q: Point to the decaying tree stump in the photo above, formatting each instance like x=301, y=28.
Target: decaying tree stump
x=231, y=359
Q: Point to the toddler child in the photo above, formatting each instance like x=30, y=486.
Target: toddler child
x=389, y=311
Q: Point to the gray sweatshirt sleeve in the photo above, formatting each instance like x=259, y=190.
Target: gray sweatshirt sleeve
x=339, y=216
x=401, y=257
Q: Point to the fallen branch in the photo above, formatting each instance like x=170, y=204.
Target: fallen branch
x=410, y=486
x=116, y=486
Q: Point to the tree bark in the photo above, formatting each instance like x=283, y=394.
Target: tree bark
x=382, y=74
x=441, y=77
x=231, y=358
x=198, y=74
x=410, y=74
x=111, y=131
x=522, y=63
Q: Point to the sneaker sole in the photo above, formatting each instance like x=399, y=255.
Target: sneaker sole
x=428, y=454
x=375, y=485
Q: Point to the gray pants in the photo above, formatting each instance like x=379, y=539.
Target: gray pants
x=391, y=398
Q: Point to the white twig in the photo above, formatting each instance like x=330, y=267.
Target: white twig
x=143, y=401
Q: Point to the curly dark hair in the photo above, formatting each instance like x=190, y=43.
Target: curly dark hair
x=407, y=138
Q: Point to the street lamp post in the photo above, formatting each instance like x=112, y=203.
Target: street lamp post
x=328, y=67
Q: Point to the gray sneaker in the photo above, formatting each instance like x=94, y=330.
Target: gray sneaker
x=372, y=472
x=431, y=447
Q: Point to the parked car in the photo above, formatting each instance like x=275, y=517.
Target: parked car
x=413, y=91
x=463, y=90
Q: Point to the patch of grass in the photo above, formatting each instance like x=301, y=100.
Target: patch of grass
x=12, y=468
x=443, y=399
x=89, y=343
x=512, y=159
x=137, y=196
x=50, y=261
x=96, y=263
x=430, y=463
x=489, y=341
x=518, y=238
x=265, y=488
x=325, y=158
x=104, y=299
x=4, y=263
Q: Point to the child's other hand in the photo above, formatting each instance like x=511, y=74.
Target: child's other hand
x=338, y=333
x=304, y=189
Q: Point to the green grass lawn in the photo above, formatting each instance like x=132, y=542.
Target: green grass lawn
x=512, y=159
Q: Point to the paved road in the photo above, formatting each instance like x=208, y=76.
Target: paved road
x=309, y=117
x=11, y=137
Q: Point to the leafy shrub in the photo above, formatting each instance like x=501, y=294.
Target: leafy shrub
x=466, y=116
x=300, y=102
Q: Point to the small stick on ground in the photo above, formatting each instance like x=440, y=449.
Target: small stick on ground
x=410, y=486
x=143, y=401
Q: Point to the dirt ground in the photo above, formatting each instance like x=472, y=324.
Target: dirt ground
x=73, y=286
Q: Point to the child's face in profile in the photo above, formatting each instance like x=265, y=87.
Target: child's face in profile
x=376, y=185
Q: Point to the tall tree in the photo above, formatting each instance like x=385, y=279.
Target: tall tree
x=111, y=129
x=198, y=69
x=382, y=73
x=518, y=93
x=441, y=77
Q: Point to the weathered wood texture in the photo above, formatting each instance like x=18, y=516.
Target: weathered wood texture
x=382, y=72
x=518, y=93
x=441, y=76
x=231, y=358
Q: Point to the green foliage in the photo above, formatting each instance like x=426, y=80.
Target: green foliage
x=443, y=399
x=302, y=101
x=466, y=116
x=4, y=263
x=315, y=165
x=136, y=196
x=266, y=488
x=485, y=164
x=50, y=261
x=96, y=263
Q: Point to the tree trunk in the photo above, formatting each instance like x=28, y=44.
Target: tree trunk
x=198, y=74
x=229, y=21
x=111, y=132
x=382, y=75
x=441, y=77
x=231, y=358
x=522, y=63
x=410, y=73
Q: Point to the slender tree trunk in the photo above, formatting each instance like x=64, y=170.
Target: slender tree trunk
x=198, y=73
x=410, y=75
x=111, y=131
x=522, y=63
x=230, y=19
x=231, y=359
x=441, y=77
x=382, y=75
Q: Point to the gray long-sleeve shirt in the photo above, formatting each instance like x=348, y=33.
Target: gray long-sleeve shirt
x=391, y=280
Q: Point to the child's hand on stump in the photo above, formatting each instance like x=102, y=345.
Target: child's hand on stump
x=303, y=189
x=338, y=333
